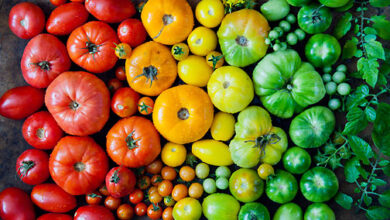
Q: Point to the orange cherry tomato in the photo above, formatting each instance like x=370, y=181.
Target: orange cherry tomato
x=112, y=203
x=120, y=73
x=140, y=209
x=93, y=198
x=195, y=191
x=168, y=173
x=143, y=182
x=179, y=192
x=167, y=214
x=165, y=188
x=154, y=211
x=155, y=167
x=187, y=173
x=145, y=105
x=156, y=179
x=152, y=190
x=123, y=51
x=155, y=197
x=125, y=212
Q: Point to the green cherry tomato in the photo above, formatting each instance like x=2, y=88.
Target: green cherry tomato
x=319, y=211
x=292, y=38
x=322, y=50
x=275, y=10
x=245, y=185
x=283, y=45
x=327, y=69
x=273, y=35
x=334, y=104
x=223, y=171
x=331, y=88
x=338, y=77
x=314, y=18
x=326, y=77
x=291, y=18
x=209, y=186
x=296, y=160
x=334, y=3
x=279, y=30
x=281, y=187
x=254, y=211
x=300, y=34
x=289, y=211
x=285, y=25
x=202, y=170
x=222, y=183
x=342, y=68
x=319, y=184
x=297, y=3
x=343, y=89
x=276, y=47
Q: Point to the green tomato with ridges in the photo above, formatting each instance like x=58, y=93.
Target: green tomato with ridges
x=319, y=184
x=314, y=18
x=319, y=211
x=322, y=50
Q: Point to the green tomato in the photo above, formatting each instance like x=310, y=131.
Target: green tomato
x=338, y=77
x=253, y=211
x=273, y=34
x=291, y=18
x=220, y=206
x=275, y=10
x=334, y=3
x=292, y=38
x=279, y=30
x=289, y=211
x=209, y=186
x=222, y=183
x=326, y=78
x=245, y=185
x=281, y=187
x=187, y=209
x=223, y=171
x=342, y=68
x=297, y=3
x=322, y=50
x=285, y=83
x=319, y=184
x=202, y=170
x=334, y=104
x=285, y=25
x=343, y=89
x=296, y=160
x=300, y=34
x=331, y=88
x=314, y=18
x=327, y=69
x=276, y=47
x=319, y=211
x=313, y=127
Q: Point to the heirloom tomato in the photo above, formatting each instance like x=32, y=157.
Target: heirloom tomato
x=67, y=17
x=187, y=209
x=123, y=51
x=26, y=20
x=289, y=211
x=245, y=185
x=93, y=212
x=78, y=165
x=55, y=216
x=194, y=70
x=281, y=187
x=319, y=184
x=32, y=166
x=210, y=13
x=242, y=37
x=254, y=211
x=180, y=51
x=220, y=206
x=314, y=18
x=275, y=10
x=296, y=160
x=16, y=204
x=145, y=105
x=202, y=41
x=124, y=103
x=180, y=119
x=173, y=154
x=52, y=198
x=110, y=11
x=212, y=152
x=334, y=3
x=222, y=128
x=322, y=50
x=120, y=181
x=319, y=211
x=132, y=32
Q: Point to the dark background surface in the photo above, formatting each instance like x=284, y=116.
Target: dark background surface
x=12, y=143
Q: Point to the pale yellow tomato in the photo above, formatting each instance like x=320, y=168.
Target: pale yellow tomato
x=194, y=70
x=180, y=51
x=222, y=128
x=202, y=41
x=210, y=13
x=215, y=59
x=265, y=170
x=173, y=154
x=212, y=152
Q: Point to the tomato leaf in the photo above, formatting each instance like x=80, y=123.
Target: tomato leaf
x=344, y=200
x=367, y=200
x=380, y=3
x=358, y=97
x=381, y=25
x=378, y=182
x=350, y=170
x=343, y=26
x=350, y=48
x=370, y=113
x=374, y=49
x=369, y=69
x=377, y=213
x=384, y=199
x=380, y=133
x=357, y=121
x=361, y=148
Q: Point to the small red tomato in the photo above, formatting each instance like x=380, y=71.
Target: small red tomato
x=143, y=182
x=154, y=167
x=124, y=102
x=26, y=20
x=125, y=212
x=32, y=166
x=114, y=84
x=52, y=198
x=136, y=196
x=55, y=216
x=93, y=212
x=145, y=105
x=154, y=211
x=16, y=204
x=132, y=31
x=57, y=2
x=110, y=11
x=93, y=198
x=123, y=51
x=112, y=203
x=41, y=131
x=120, y=73
x=120, y=181
x=140, y=209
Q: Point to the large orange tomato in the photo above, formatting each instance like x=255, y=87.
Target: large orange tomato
x=169, y=21
x=151, y=69
x=183, y=114
x=133, y=142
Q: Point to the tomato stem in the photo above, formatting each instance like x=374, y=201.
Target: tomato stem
x=262, y=141
x=144, y=107
x=74, y=105
x=183, y=114
x=25, y=167
x=79, y=166
x=130, y=141
x=115, y=177
x=40, y=133
x=150, y=72
x=167, y=19
x=242, y=41
x=44, y=65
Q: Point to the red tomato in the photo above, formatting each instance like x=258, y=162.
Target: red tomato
x=78, y=165
x=79, y=102
x=136, y=196
x=26, y=20
x=114, y=84
x=125, y=212
x=120, y=181
x=93, y=212
x=16, y=204
x=55, y=216
x=91, y=46
x=120, y=73
x=20, y=102
x=64, y=19
x=145, y=105
x=132, y=31
x=41, y=131
x=124, y=102
x=140, y=209
x=57, y=2
x=93, y=198
x=133, y=142
x=52, y=198
x=79, y=1
x=154, y=211
x=110, y=11
x=32, y=166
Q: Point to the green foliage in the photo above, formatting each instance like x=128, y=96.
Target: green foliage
x=343, y=26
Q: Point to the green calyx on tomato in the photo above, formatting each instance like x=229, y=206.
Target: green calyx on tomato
x=322, y=50
x=253, y=211
x=314, y=18
x=296, y=160
x=281, y=187
x=245, y=185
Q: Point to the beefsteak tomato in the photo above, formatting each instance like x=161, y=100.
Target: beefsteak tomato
x=32, y=166
x=110, y=11
x=93, y=212
x=319, y=184
x=16, y=204
x=120, y=181
x=26, y=20
x=52, y=198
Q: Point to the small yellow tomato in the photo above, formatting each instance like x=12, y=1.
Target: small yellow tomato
x=123, y=51
x=173, y=154
x=215, y=59
x=194, y=71
x=222, y=128
x=212, y=152
x=210, y=13
x=202, y=41
x=265, y=170
x=180, y=51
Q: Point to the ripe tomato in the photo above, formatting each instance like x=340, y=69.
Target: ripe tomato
x=67, y=17
x=180, y=51
x=78, y=165
x=165, y=188
x=52, y=198
x=154, y=211
x=112, y=203
x=110, y=11
x=26, y=20
x=154, y=167
x=41, y=131
x=132, y=31
x=215, y=59
x=103, y=190
x=179, y=192
x=91, y=46
x=44, y=58
x=145, y=105
x=169, y=201
x=187, y=173
x=155, y=197
x=20, y=102
x=120, y=181
x=143, y=182
x=124, y=102
x=152, y=190
x=55, y=216
x=210, y=13
x=32, y=166
x=222, y=128
x=93, y=212
x=168, y=173
x=79, y=102
x=123, y=51
x=114, y=84
x=140, y=209
x=173, y=154
x=93, y=198
x=120, y=73
x=202, y=41
x=136, y=196
x=195, y=191
x=167, y=214
x=57, y=2
x=194, y=70
x=125, y=212
x=12, y=201
x=155, y=180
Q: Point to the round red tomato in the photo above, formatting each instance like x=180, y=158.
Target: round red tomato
x=26, y=20
x=55, y=216
x=57, y=2
x=93, y=198
x=32, y=166
x=120, y=73
x=91, y=46
x=20, y=102
x=67, y=17
x=120, y=181
x=114, y=84
x=136, y=196
x=16, y=204
x=124, y=102
x=79, y=102
x=52, y=198
x=132, y=31
x=92, y=212
x=154, y=211
x=133, y=142
x=112, y=203
x=78, y=165
x=125, y=212
x=140, y=209
x=110, y=11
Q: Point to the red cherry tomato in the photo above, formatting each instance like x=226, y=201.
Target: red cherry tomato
x=93, y=212
x=136, y=196
x=120, y=181
x=110, y=11
x=26, y=20
x=32, y=166
x=120, y=73
x=57, y=2
x=55, y=216
x=52, y=198
x=114, y=84
x=93, y=198
x=154, y=211
x=112, y=203
x=132, y=31
x=124, y=102
x=140, y=209
x=125, y=212
x=16, y=204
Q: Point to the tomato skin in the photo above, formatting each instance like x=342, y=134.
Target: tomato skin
x=67, y=17
x=173, y=154
x=120, y=181
x=110, y=11
x=132, y=31
x=26, y=20
x=136, y=196
x=168, y=173
x=57, y=2
x=54, y=216
x=281, y=187
x=93, y=212
x=140, y=209
x=154, y=211
x=44, y=58
x=12, y=200
x=112, y=203
x=207, y=19
x=20, y=102
x=120, y=73
x=32, y=166
x=41, y=131
x=124, y=103
x=52, y=198
x=222, y=128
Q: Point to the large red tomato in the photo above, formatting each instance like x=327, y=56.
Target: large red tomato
x=44, y=58
x=26, y=20
x=79, y=102
x=20, y=102
x=110, y=11
x=54, y=216
x=93, y=212
x=78, y=165
x=91, y=46
x=52, y=198
x=132, y=31
x=133, y=142
x=32, y=166
x=120, y=181
x=16, y=204
x=64, y=19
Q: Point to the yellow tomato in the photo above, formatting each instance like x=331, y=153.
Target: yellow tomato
x=222, y=128
x=265, y=170
x=194, y=71
x=180, y=51
x=173, y=154
x=215, y=59
x=210, y=12
x=202, y=41
x=212, y=152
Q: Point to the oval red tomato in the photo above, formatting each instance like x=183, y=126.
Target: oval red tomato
x=124, y=103
x=67, y=17
x=32, y=166
x=52, y=198
x=26, y=20
x=110, y=11
x=16, y=204
x=20, y=102
x=55, y=216
x=92, y=212
x=120, y=181
x=78, y=165
x=132, y=31
x=79, y=102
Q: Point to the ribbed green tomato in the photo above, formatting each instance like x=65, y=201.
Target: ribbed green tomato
x=314, y=18
x=245, y=185
x=289, y=211
x=334, y=3
x=322, y=50
x=281, y=187
x=220, y=206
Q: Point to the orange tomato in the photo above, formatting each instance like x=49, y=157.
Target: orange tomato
x=156, y=179
x=195, y=191
x=187, y=173
x=179, y=192
x=155, y=197
x=123, y=50
x=154, y=167
x=145, y=105
x=168, y=173
x=165, y=188
x=143, y=182
x=152, y=190
x=125, y=212
x=167, y=214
